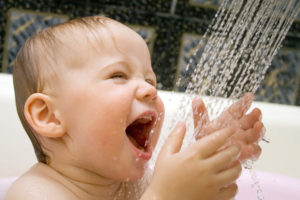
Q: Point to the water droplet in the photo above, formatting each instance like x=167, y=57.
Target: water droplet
x=151, y=132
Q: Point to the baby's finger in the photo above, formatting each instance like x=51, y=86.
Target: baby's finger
x=238, y=109
x=251, y=135
x=228, y=192
x=222, y=159
x=256, y=133
x=250, y=119
x=209, y=144
x=252, y=152
x=199, y=112
x=200, y=115
x=174, y=140
x=231, y=174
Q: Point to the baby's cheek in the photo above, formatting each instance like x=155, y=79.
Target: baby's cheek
x=160, y=119
x=160, y=106
x=154, y=140
x=156, y=132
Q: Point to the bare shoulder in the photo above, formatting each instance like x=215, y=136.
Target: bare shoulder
x=36, y=184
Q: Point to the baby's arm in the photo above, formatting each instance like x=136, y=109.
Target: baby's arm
x=201, y=171
x=248, y=128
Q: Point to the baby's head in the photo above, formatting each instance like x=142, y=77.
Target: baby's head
x=85, y=93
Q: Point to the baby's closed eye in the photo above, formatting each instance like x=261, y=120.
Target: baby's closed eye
x=151, y=82
x=119, y=75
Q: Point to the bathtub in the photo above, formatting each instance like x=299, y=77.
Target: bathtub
x=278, y=169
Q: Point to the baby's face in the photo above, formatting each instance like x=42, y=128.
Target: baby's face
x=109, y=104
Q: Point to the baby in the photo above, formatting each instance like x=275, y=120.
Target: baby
x=86, y=95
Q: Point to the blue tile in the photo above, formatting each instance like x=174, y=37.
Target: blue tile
x=22, y=25
x=282, y=78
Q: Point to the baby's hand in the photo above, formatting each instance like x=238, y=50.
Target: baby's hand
x=201, y=171
x=248, y=128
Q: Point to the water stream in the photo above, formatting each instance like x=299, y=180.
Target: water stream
x=235, y=53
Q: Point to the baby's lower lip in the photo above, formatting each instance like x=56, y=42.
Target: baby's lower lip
x=145, y=155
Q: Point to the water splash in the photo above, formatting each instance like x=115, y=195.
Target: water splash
x=233, y=57
x=256, y=186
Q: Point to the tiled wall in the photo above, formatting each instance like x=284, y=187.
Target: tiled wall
x=171, y=29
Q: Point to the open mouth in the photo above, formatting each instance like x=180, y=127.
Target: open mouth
x=138, y=132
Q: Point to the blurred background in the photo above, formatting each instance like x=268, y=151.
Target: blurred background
x=171, y=28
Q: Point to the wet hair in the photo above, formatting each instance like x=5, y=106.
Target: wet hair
x=36, y=62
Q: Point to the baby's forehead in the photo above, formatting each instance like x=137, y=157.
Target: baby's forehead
x=77, y=43
x=126, y=36
x=97, y=41
x=100, y=36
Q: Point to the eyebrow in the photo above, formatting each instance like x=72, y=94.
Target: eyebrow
x=120, y=62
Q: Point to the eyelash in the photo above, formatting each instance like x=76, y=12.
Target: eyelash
x=119, y=75
x=151, y=82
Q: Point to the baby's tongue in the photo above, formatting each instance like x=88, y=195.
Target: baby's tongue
x=135, y=142
x=136, y=135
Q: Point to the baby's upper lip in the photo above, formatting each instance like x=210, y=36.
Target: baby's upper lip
x=148, y=116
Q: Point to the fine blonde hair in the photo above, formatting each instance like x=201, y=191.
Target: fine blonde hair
x=36, y=62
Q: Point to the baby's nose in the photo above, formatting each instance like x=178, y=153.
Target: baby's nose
x=146, y=92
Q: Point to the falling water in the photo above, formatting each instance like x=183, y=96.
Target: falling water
x=238, y=48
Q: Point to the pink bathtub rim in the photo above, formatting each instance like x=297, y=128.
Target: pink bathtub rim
x=273, y=186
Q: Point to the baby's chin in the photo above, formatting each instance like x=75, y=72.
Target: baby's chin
x=134, y=176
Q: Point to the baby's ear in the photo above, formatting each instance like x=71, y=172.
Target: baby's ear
x=43, y=116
